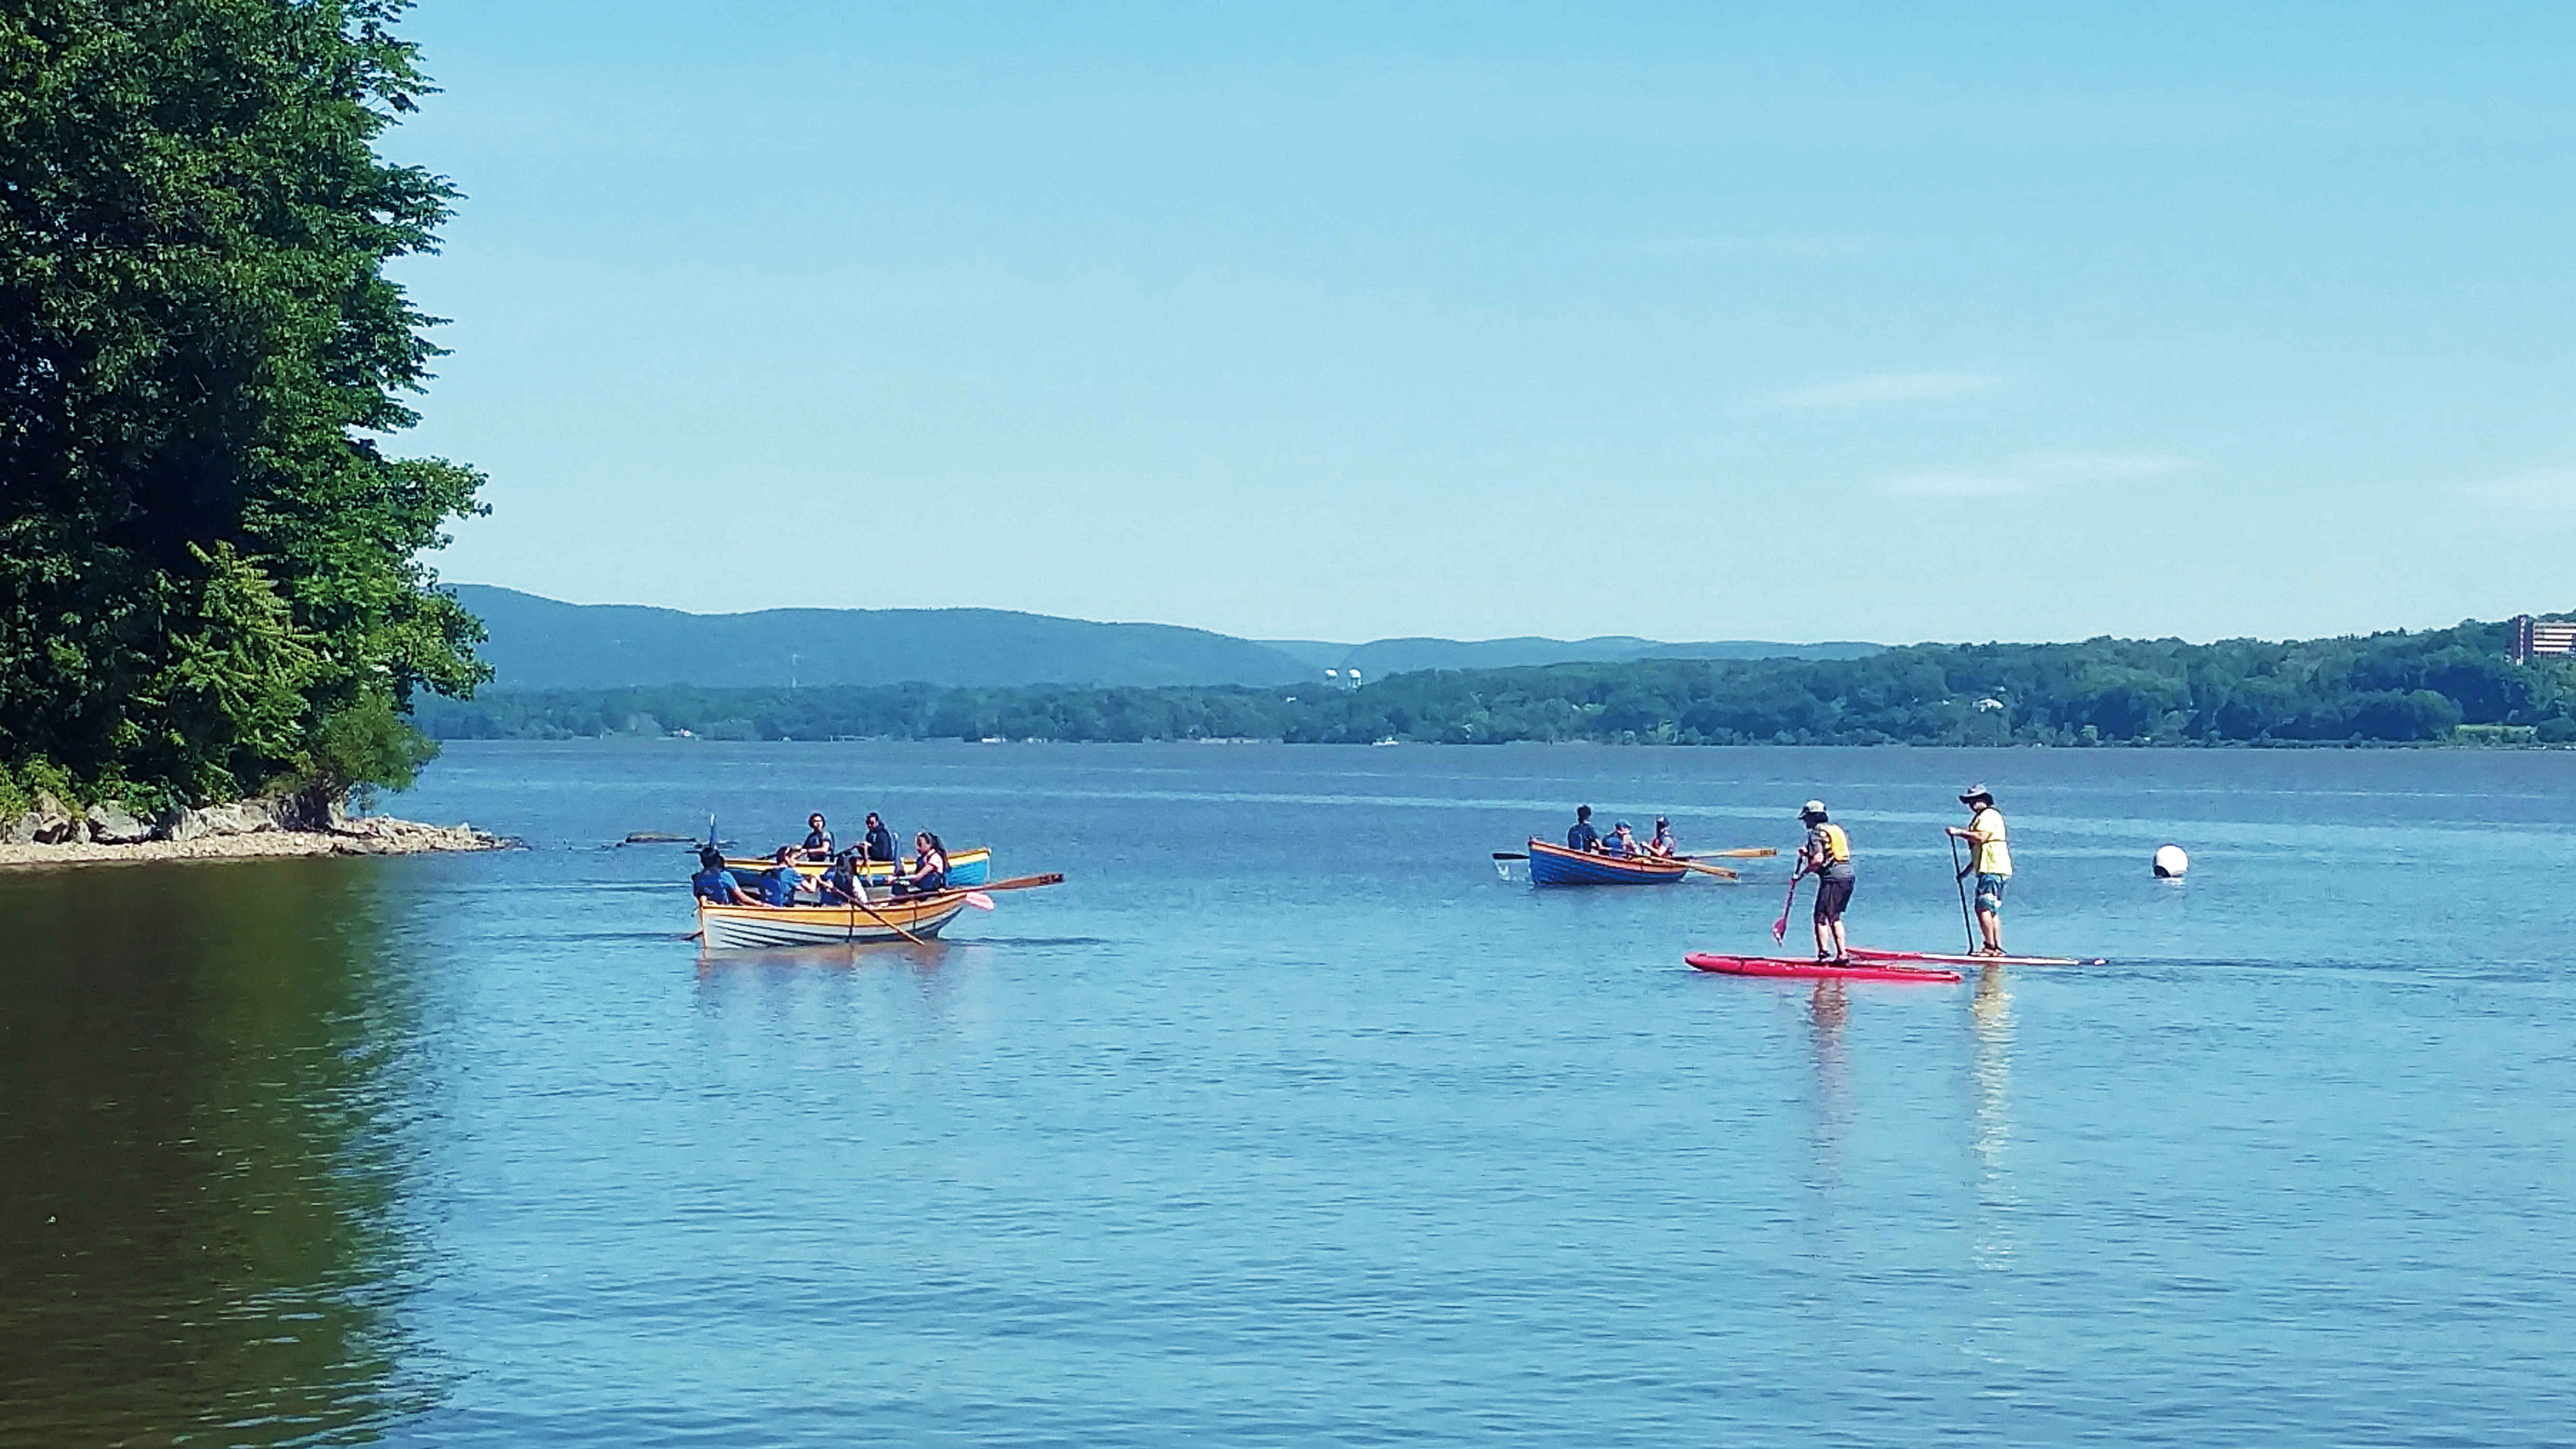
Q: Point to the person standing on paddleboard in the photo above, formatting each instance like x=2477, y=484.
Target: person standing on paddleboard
x=1990, y=858
x=1827, y=856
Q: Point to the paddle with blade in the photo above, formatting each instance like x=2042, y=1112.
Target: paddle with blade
x=1959, y=869
x=1780, y=927
x=976, y=898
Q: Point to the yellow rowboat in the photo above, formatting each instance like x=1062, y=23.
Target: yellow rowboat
x=965, y=868
x=728, y=928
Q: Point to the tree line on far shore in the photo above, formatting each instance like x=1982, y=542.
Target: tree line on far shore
x=2408, y=687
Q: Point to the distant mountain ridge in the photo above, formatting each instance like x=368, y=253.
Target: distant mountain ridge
x=540, y=643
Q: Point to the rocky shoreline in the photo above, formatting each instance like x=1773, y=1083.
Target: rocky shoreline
x=53, y=834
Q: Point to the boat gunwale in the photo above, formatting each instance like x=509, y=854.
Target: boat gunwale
x=925, y=916
x=761, y=864
x=1646, y=870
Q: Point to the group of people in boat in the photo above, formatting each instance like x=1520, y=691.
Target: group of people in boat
x=841, y=883
x=1826, y=854
x=1622, y=840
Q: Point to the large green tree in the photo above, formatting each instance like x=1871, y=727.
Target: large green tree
x=210, y=571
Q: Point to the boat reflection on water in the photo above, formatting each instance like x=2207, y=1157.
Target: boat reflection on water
x=208, y=1076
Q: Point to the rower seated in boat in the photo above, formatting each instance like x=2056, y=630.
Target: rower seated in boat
x=880, y=841
x=715, y=883
x=1622, y=842
x=841, y=886
x=782, y=879
x=818, y=838
x=929, y=870
x=1663, y=846
x=1583, y=836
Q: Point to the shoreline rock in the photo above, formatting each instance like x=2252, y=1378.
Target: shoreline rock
x=255, y=835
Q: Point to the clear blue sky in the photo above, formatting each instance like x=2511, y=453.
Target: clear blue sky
x=1797, y=321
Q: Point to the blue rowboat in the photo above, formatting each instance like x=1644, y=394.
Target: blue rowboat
x=1552, y=865
x=966, y=868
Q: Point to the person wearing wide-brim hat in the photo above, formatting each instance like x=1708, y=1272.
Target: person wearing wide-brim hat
x=1990, y=859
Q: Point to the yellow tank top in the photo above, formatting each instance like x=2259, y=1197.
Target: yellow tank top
x=1994, y=855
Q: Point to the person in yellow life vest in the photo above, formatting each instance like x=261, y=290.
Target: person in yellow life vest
x=1990, y=860
x=1827, y=856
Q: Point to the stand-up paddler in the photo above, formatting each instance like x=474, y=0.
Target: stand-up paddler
x=1990, y=860
x=1827, y=855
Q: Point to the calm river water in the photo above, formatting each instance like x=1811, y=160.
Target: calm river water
x=1286, y=1121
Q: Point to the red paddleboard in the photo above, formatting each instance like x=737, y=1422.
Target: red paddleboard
x=1864, y=953
x=1821, y=970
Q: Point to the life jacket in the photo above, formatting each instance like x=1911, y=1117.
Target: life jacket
x=1837, y=845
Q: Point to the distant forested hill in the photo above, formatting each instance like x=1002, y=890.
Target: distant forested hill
x=2397, y=687
x=538, y=643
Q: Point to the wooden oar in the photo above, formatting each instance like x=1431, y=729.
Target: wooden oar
x=1760, y=854
x=1688, y=863
x=1683, y=861
x=1024, y=882
x=889, y=925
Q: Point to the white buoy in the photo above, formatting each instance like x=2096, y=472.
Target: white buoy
x=2171, y=862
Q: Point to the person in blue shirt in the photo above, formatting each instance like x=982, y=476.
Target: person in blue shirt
x=880, y=840
x=1622, y=842
x=715, y=883
x=1583, y=836
x=818, y=840
x=783, y=879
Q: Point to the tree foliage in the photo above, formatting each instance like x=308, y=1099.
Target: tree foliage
x=2384, y=688
x=205, y=556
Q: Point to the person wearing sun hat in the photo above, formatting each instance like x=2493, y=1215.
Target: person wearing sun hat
x=1991, y=859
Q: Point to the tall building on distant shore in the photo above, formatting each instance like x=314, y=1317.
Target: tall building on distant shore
x=2530, y=637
